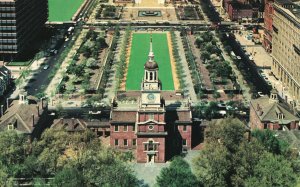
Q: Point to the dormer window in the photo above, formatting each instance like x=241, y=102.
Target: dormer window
x=280, y=115
x=10, y=127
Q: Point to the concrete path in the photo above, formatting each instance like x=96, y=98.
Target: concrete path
x=110, y=91
x=147, y=172
x=50, y=90
x=240, y=77
x=34, y=68
x=188, y=78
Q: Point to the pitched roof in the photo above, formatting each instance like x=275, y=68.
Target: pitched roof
x=69, y=124
x=23, y=116
x=123, y=116
x=267, y=110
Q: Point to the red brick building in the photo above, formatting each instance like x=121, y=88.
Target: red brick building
x=268, y=113
x=154, y=124
x=238, y=11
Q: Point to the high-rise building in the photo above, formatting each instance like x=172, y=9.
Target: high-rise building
x=286, y=48
x=20, y=22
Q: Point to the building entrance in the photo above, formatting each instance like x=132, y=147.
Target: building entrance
x=150, y=158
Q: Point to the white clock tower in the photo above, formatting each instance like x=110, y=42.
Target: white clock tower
x=151, y=85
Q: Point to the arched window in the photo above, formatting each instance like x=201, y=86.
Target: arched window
x=154, y=75
x=151, y=76
x=146, y=75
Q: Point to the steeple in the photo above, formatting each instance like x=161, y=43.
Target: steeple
x=151, y=81
x=151, y=64
x=151, y=54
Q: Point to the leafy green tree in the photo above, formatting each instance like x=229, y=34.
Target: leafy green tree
x=13, y=147
x=229, y=131
x=272, y=170
x=213, y=165
x=68, y=177
x=177, y=174
x=268, y=139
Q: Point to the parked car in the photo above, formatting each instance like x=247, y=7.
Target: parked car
x=46, y=67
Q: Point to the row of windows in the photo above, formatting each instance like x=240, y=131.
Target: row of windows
x=125, y=142
x=150, y=146
x=125, y=128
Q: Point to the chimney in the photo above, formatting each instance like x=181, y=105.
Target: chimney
x=38, y=109
x=32, y=120
x=257, y=107
x=2, y=112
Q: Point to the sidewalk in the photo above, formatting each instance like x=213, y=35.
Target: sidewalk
x=51, y=89
x=240, y=78
x=34, y=68
x=188, y=79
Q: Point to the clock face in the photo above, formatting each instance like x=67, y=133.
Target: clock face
x=151, y=96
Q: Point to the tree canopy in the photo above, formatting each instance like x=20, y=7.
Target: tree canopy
x=76, y=159
x=230, y=159
x=178, y=174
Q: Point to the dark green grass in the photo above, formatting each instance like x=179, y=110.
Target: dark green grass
x=63, y=10
x=139, y=56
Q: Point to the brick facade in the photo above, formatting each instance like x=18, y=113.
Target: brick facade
x=266, y=113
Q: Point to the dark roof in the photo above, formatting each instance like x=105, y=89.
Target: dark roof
x=267, y=110
x=21, y=116
x=69, y=124
x=151, y=65
x=123, y=116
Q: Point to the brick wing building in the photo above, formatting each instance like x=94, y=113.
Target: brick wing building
x=156, y=124
x=268, y=113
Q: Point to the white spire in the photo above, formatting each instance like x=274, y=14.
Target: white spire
x=151, y=54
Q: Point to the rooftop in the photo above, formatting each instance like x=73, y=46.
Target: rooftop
x=268, y=110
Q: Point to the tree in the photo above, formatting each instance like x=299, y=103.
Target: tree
x=270, y=142
x=177, y=174
x=13, y=147
x=68, y=177
x=212, y=166
x=229, y=159
x=272, y=170
x=229, y=131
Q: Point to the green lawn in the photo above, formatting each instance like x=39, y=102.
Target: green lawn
x=19, y=63
x=139, y=56
x=63, y=10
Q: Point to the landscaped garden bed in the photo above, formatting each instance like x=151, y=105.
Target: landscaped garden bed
x=217, y=79
x=83, y=72
x=189, y=13
x=109, y=12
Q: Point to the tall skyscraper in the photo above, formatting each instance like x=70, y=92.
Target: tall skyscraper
x=20, y=23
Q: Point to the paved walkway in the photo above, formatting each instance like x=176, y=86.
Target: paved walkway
x=188, y=78
x=34, y=68
x=50, y=90
x=240, y=77
x=110, y=90
x=148, y=172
